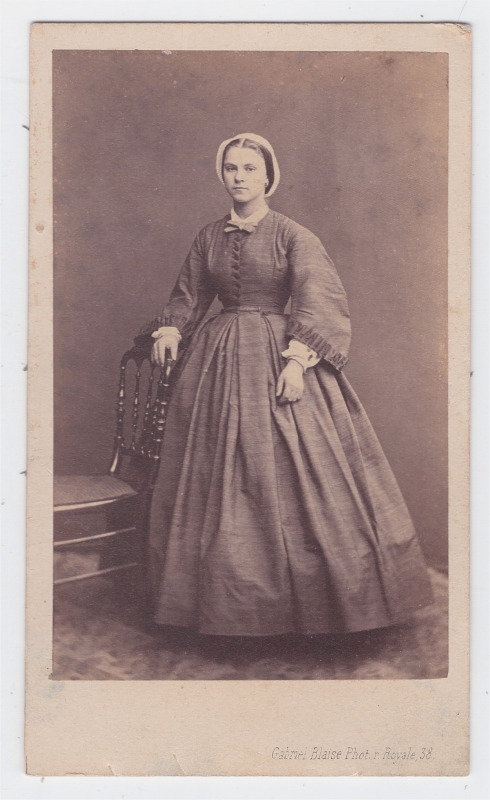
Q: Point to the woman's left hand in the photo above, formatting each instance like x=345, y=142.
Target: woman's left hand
x=290, y=384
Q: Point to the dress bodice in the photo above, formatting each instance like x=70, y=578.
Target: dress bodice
x=250, y=268
x=264, y=267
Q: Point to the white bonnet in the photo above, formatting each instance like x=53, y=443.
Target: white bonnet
x=254, y=138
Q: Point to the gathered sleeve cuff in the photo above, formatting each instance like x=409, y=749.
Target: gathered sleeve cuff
x=319, y=312
x=304, y=334
x=177, y=321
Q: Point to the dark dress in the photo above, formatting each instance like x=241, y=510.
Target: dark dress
x=271, y=518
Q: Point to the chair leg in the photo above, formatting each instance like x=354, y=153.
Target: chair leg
x=123, y=549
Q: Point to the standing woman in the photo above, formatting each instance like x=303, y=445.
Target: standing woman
x=275, y=510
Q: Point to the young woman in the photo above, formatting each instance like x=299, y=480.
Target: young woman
x=275, y=509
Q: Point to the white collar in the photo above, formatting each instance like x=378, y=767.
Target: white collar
x=253, y=219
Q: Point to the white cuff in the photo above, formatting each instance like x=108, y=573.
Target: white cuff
x=301, y=353
x=167, y=331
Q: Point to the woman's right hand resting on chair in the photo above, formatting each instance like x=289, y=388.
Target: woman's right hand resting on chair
x=166, y=337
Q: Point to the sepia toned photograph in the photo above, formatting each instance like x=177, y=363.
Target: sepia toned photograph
x=250, y=365
x=248, y=465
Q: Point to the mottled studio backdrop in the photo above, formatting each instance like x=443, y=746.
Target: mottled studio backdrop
x=361, y=140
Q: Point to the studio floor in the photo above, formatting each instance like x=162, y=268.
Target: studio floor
x=99, y=635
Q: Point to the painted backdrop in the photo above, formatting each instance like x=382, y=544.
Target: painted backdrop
x=361, y=139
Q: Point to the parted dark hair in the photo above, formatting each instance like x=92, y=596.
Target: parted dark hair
x=259, y=148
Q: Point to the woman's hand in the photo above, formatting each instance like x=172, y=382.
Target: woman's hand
x=290, y=383
x=160, y=346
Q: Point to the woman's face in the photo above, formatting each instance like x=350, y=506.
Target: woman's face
x=244, y=174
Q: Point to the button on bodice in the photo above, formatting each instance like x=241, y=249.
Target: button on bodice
x=246, y=270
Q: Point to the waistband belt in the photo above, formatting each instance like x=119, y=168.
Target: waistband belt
x=257, y=309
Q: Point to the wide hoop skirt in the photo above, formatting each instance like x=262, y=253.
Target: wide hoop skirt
x=271, y=518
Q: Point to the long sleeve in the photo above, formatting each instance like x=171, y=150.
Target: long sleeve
x=193, y=293
x=319, y=311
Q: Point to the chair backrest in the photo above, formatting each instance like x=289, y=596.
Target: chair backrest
x=148, y=408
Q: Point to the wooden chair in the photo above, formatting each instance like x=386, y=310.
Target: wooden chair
x=122, y=496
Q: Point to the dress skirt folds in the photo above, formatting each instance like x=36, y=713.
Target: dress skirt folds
x=270, y=517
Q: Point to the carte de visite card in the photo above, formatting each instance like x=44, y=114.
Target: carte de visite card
x=248, y=470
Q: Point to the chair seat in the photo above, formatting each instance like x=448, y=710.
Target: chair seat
x=86, y=491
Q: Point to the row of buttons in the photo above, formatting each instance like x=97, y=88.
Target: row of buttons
x=235, y=265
